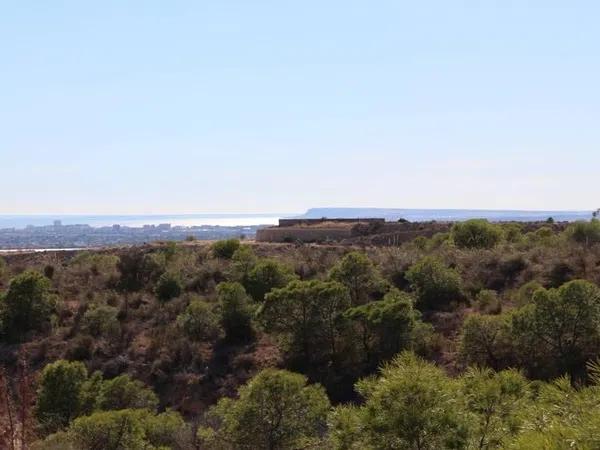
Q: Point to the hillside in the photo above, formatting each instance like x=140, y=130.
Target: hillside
x=193, y=322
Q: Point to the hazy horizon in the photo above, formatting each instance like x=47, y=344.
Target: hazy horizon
x=21, y=221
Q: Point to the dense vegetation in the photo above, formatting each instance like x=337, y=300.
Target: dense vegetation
x=484, y=337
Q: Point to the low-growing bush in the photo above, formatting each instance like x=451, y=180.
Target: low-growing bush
x=225, y=248
x=476, y=234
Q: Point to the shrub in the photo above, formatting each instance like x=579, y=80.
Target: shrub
x=137, y=270
x=49, y=271
x=125, y=429
x=544, y=234
x=167, y=287
x=242, y=263
x=236, y=314
x=58, y=400
x=81, y=348
x=437, y=240
x=101, y=321
x=225, y=248
x=266, y=275
x=513, y=232
x=27, y=306
x=487, y=302
x=476, y=233
x=511, y=267
x=560, y=274
x=587, y=233
x=487, y=341
x=435, y=285
x=525, y=293
x=198, y=321
x=3, y=267
x=123, y=392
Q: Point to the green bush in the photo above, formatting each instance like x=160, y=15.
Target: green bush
x=3, y=267
x=436, y=286
x=488, y=302
x=198, y=321
x=167, y=287
x=58, y=395
x=27, y=306
x=102, y=321
x=266, y=275
x=137, y=269
x=487, y=341
x=476, y=234
x=236, y=314
x=225, y=248
x=126, y=429
x=123, y=392
x=513, y=232
x=587, y=233
x=242, y=263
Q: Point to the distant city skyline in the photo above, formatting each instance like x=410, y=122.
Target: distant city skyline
x=265, y=107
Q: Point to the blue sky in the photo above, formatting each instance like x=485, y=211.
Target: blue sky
x=268, y=106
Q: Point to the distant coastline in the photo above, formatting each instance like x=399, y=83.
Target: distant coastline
x=446, y=215
x=184, y=220
x=239, y=220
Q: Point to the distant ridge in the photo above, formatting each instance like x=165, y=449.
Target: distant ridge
x=417, y=215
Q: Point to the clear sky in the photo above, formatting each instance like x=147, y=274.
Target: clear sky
x=277, y=106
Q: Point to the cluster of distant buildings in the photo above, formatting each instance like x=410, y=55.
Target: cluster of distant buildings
x=58, y=235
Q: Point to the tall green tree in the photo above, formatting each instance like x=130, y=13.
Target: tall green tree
x=413, y=405
x=385, y=326
x=487, y=341
x=276, y=410
x=494, y=402
x=560, y=329
x=357, y=272
x=308, y=315
x=236, y=314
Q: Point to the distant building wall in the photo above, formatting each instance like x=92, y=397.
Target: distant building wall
x=298, y=222
x=375, y=230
